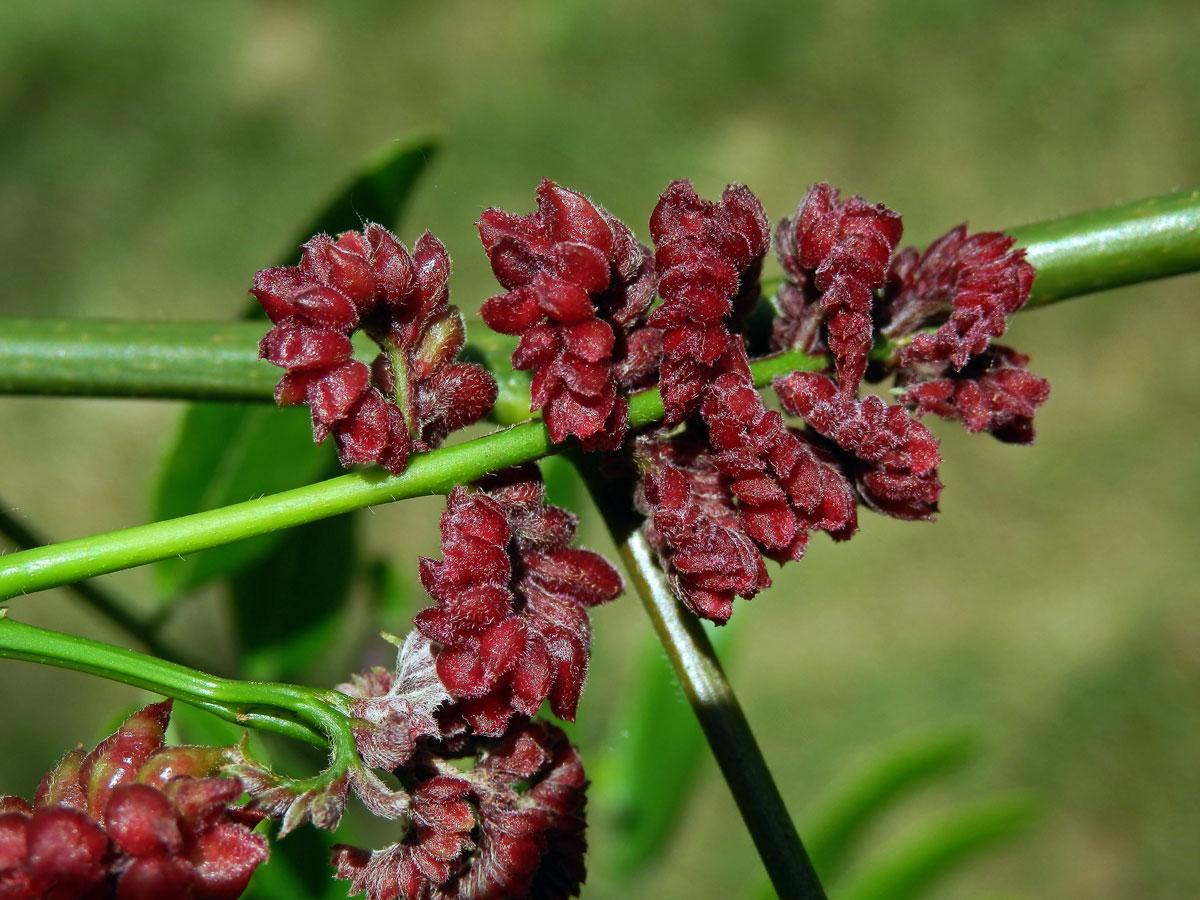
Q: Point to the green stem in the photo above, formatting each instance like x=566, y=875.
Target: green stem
x=436, y=472
x=180, y=360
x=103, y=602
x=1073, y=255
x=712, y=699
x=1107, y=248
x=253, y=704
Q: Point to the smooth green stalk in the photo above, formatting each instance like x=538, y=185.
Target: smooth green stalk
x=1107, y=248
x=712, y=699
x=113, y=609
x=436, y=472
x=305, y=714
x=1077, y=254
x=180, y=360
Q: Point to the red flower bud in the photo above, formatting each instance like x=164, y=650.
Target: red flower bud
x=415, y=394
x=893, y=457
x=511, y=623
x=972, y=284
x=578, y=282
x=510, y=827
x=836, y=252
x=992, y=393
x=131, y=820
x=709, y=257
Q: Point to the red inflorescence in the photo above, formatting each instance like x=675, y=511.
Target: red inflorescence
x=836, y=253
x=511, y=620
x=992, y=393
x=709, y=258
x=578, y=285
x=415, y=393
x=132, y=820
x=972, y=282
x=695, y=528
x=511, y=827
x=783, y=487
x=892, y=457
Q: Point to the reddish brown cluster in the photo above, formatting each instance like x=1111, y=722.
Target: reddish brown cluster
x=993, y=392
x=511, y=622
x=695, y=528
x=132, y=820
x=414, y=393
x=510, y=827
x=891, y=457
x=709, y=257
x=836, y=253
x=579, y=284
x=970, y=284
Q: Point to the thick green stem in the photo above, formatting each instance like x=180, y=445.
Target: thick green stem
x=436, y=472
x=1111, y=247
x=181, y=360
x=1073, y=255
x=712, y=699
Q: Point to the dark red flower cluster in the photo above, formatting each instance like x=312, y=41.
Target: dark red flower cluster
x=891, y=457
x=993, y=392
x=511, y=827
x=579, y=284
x=836, y=253
x=694, y=526
x=415, y=393
x=132, y=820
x=970, y=284
x=511, y=623
x=709, y=259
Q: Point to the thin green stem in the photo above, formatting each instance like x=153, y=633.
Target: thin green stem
x=436, y=472
x=251, y=704
x=712, y=699
x=102, y=601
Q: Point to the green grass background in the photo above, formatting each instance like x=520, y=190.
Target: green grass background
x=152, y=155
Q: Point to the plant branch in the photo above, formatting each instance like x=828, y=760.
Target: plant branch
x=436, y=472
x=712, y=699
x=103, y=602
x=1073, y=255
x=297, y=712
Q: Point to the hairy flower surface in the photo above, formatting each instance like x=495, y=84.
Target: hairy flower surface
x=970, y=283
x=709, y=258
x=132, y=820
x=578, y=284
x=511, y=623
x=415, y=393
x=992, y=393
x=695, y=528
x=892, y=457
x=836, y=253
x=510, y=827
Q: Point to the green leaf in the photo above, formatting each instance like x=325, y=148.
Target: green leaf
x=660, y=758
x=911, y=869
x=390, y=595
x=223, y=455
x=287, y=605
x=864, y=794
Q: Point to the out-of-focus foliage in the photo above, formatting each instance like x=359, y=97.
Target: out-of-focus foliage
x=155, y=154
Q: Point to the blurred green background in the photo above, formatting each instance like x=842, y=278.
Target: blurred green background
x=153, y=155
